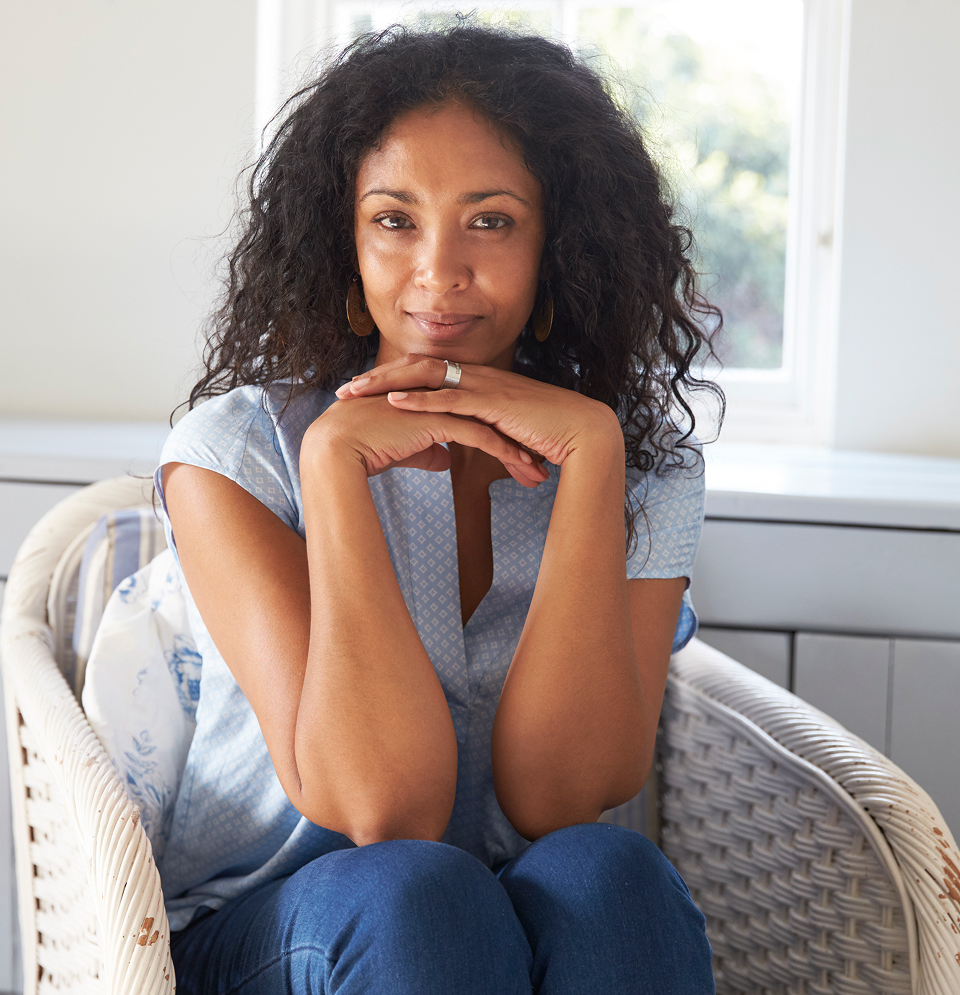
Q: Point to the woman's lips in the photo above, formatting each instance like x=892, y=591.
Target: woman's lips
x=443, y=326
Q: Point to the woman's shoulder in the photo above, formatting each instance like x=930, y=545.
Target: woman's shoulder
x=677, y=469
x=670, y=499
x=250, y=421
x=251, y=435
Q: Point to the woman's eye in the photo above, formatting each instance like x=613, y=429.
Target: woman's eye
x=393, y=222
x=490, y=222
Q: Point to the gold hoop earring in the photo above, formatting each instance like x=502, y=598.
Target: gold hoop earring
x=543, y=322
x=360, y=319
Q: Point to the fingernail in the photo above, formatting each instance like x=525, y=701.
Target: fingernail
x=397, y=395
x=526, y=457
x=357, y=384
x=344, y=389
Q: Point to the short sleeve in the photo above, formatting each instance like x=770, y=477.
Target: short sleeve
x=668, y=532
x=234, y=436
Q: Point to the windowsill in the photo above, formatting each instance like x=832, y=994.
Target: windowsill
x=807, y=484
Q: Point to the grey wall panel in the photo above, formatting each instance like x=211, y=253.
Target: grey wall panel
x=846, y=677
x=925, y=728
x=21, y=506
x=768, y=653
x=791, y=576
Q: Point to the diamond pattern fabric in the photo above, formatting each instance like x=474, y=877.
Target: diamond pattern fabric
x=233, y=826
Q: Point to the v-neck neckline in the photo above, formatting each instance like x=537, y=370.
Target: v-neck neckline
x=417, y=511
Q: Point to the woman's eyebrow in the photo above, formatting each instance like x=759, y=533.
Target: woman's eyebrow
x=476, y=198
x=401, y=195
x=467, y=198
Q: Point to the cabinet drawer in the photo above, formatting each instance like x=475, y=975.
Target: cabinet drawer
x=923, y=734
x=774, y=575
x=21, y=507
x=767, y=653
x=848, y=678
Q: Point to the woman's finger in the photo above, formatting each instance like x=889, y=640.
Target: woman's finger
x=499, y=409
x=467, y=432
x=518, y=463
x=411, y=373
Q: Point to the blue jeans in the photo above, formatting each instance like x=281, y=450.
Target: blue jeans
x=588, y=910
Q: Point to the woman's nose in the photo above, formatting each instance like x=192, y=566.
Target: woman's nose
x=443, y=265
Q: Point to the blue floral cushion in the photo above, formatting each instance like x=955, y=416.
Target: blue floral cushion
x=142, y=675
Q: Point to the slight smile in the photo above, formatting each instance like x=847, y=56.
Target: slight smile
x=443, y=326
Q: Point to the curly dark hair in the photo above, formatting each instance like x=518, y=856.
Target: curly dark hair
x=629, y=321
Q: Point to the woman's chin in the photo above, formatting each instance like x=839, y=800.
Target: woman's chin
x=457, y=349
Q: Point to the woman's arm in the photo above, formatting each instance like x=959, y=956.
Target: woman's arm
x=575, y=728
x=576, y=722
x=317, y=634
x=322, y=646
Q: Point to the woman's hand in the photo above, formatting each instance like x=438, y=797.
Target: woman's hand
x=383, y=435
x=544, y=419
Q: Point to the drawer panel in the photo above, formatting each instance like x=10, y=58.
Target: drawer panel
x=792, y=576
x=21, y=507
x=768, y=653
x=847, y=677
x=923, y=734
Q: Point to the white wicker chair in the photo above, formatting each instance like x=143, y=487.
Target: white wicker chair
x=821, y=867
x=92, y=918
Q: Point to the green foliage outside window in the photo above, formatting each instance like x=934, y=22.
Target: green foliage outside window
x=722, y=133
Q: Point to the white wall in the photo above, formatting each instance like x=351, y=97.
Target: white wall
x=898, y=372
x=123, y=127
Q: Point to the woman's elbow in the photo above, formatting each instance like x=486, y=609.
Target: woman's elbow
x=366, y=833
x=376, y=821
x=535, y=812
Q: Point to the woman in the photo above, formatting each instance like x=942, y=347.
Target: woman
x=421, y=649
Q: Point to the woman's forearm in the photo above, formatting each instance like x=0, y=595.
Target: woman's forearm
x=375, y=745
x=572, y=730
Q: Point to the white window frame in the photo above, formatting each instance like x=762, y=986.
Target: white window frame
x=792, y=404
x=795, y=403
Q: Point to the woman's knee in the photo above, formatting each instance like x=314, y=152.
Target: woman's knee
x=403, y=888
x=601, y=906
x=595, y=854
x=430, y=915
x=400, y=875
x=403, y=916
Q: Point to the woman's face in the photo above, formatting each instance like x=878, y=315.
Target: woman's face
x=449, y=233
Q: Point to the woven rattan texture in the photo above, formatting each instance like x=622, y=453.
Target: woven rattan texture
x=91, y=912
x=67, y=949
x=922, y=854
x=795, y=897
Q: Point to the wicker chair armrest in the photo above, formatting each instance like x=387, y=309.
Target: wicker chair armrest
x=910, y=822
x=125, y=883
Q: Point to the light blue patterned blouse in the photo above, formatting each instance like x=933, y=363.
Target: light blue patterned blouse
x=233, y=826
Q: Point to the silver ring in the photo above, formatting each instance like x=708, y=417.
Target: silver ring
x=453, y=375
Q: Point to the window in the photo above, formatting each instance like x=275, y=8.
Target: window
x=739, y=98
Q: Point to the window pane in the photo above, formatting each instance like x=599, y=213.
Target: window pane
x=715, y=86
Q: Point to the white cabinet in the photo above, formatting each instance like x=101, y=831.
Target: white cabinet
x=838, y=575
x=846, y=578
